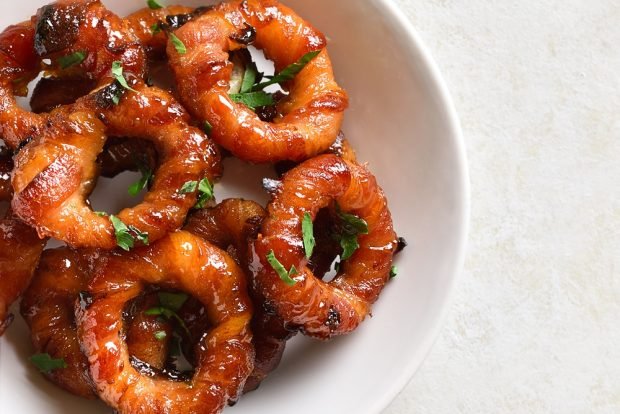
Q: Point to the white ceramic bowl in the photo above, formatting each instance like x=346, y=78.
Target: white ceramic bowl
x=402, y=123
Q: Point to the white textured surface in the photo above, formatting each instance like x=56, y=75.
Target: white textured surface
x=535, y=324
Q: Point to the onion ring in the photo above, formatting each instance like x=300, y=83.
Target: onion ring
x=56, y=171
x=225, y=356
x=83, y=29
x=321, y=309
x=309, y=118
x=230, y=225
x=48, y=309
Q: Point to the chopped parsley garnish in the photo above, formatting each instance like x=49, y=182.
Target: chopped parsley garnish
x=205, y=191
x=393, y=272
x=252, y=94
x=155, y=28
x=351, y=227
x=73, y=59
x=160, y=335
x=284, y=274
x=207, y=127
x=46, y=364
x=253, y=100
x=126, y=236
x=170, y=304
x=145, y=180
x=178, y=45
x=289, y=72
x=154, y=4
x=307, y=229
x=349, y=245
x=101, y=213
x=117, y=72
x=250, y=76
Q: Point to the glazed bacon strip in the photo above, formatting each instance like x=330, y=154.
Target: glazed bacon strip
x=225, y=355
x=56, y=172
x=66, y=28
x=230, y=225
x=321, y=309
x=19, y=64
x=20, y=249
x=308, y=119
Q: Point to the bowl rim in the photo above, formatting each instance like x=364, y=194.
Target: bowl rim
x=417, y=49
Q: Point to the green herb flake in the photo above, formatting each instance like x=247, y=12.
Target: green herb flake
x=46, y=364
x=154, y=4
x=140, y=236
x=189, y=187
x=73, y=59
x=207, y=128
x=155, y=29
x=393, y=272
x=249, y=77
x=307, y=229
x=172, y=301
x=168, y=314
x=124, y=239
x=352, y=227
x=253, y=100
x=289, y=72
x=349, y=245
x=353, y=224
x=127, y=236
x=178, y=45
x=205, y=193
x=101, y=213
x=160, y=335
x=145, y=180
x=281, y=270
x=117, y=73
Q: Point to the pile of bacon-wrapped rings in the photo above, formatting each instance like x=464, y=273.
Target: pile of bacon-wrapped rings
x=105, y=310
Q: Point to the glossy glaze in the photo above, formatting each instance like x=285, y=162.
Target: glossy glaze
x=60, y=29
x=56, y=172
x=307, y=121
x=231, y=225
x=19, y=64
x=51, y=93
x=225, y=355
x=20, y=249
x=48, y=309
x=324, y=309
x=68, y=26
x=141, y=23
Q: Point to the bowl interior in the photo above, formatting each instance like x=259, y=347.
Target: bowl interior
x=401, y=123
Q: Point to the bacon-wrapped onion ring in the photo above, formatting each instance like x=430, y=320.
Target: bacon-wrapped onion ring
x=57, y=171
x=309, y=118
x=230, y=225
x=20, y=249
x=57, y=31
x=225, y=355
x=324, y=309
x=48, y=309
